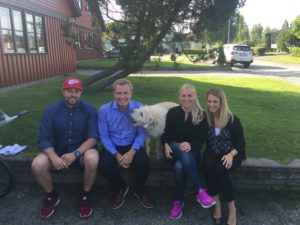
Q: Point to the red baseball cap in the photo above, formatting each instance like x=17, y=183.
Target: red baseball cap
x=72, y=82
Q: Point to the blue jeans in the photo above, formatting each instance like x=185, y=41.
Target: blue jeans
x=185, y=165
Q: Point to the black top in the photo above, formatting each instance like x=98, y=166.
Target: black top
x=179, y=130
x=235, y=132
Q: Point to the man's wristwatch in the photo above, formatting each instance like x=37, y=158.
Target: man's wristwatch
x=77, y=154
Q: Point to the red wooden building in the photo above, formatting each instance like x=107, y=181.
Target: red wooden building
x=41, y=39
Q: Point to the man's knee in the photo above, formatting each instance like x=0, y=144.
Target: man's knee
x=91, y=159
x=40, y=163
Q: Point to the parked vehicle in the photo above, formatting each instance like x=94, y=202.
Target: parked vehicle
x=235, y=53
x=113, y=53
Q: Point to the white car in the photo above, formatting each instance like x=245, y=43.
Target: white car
x=235, y=53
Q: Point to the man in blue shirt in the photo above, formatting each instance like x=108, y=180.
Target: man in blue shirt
x=123, y=144
x=68, y=135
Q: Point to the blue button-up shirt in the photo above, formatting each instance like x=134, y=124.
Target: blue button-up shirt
x=116, y=129
x=65, y=129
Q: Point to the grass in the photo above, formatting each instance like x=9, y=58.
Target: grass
x=275, y=53
x=164, y=64
x=288, y=59
x=267, y=107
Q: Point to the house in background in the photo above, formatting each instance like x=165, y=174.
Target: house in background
x=40, y=39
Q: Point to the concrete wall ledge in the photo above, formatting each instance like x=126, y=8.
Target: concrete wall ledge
x=255, y=173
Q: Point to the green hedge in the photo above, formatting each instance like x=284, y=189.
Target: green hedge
x=258, y=51
x=188, y=51
x=295, y=51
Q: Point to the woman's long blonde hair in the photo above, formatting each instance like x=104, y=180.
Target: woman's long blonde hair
x=225, y=113
x=197, y=111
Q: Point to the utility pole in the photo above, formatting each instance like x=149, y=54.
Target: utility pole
x=228, y=35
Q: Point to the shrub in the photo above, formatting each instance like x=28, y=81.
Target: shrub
x=258, y=51
x=221, y=57
x=295, y=51
x=195, y=55
x=173, y=57
x=188, y=51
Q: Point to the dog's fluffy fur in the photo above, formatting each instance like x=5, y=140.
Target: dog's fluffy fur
x=153, y=119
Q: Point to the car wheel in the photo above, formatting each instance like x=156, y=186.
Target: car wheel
x=246, y=65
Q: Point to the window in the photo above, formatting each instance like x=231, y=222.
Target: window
x=77, y=39
x=40, y=34
x=30, y=33
x=90, y=40
x=19, y=32
x=88, y=10
x=6, y=29
x=36, y=42
x=79, y=3
x=19, y=36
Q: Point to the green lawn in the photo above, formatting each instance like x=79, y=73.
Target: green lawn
x=165, y=64
x=267, y=107
x=283, y=59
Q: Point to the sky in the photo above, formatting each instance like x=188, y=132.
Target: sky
x=270, y=13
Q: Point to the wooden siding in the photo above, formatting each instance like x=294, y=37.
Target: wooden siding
x=60, y=58
x=62, y=6
x=22, y=68
x=85, y=19
x=83, y=54
x=59, y=9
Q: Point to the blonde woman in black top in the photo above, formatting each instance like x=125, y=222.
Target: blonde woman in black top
x=185, y=133
x=225, y=152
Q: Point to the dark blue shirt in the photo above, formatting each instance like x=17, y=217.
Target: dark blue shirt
x=65, y=129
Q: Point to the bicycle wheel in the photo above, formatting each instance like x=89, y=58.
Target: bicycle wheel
x=6, y=178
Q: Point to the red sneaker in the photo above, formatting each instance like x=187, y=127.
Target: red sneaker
x=85, y=210
x=49, y=205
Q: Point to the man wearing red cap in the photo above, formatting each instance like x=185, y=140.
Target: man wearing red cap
x=67, y=136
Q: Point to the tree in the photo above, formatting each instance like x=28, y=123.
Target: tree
x=143, y=24
x=241, y=30
x=282, y=40
x=285, y=25
x=257, y=34
x=296, y=27
x=266, y=39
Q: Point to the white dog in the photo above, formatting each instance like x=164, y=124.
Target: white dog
x=153, y=119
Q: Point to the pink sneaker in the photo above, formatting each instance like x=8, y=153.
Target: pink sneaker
x=176, y=210
x=205, y=199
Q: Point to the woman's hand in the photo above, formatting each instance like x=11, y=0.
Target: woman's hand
x=185, y=147
x=168, y=151
x=228, y=158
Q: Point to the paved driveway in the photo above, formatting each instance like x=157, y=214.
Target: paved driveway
x=21, y=207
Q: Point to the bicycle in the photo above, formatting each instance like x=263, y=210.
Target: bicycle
x=6, y=175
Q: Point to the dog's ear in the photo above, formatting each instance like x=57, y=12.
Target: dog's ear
x=152, y=121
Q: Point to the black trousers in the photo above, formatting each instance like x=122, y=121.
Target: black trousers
x=111, y=171
x=217, y=176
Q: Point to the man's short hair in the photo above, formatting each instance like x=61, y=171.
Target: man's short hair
x=122, y=82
